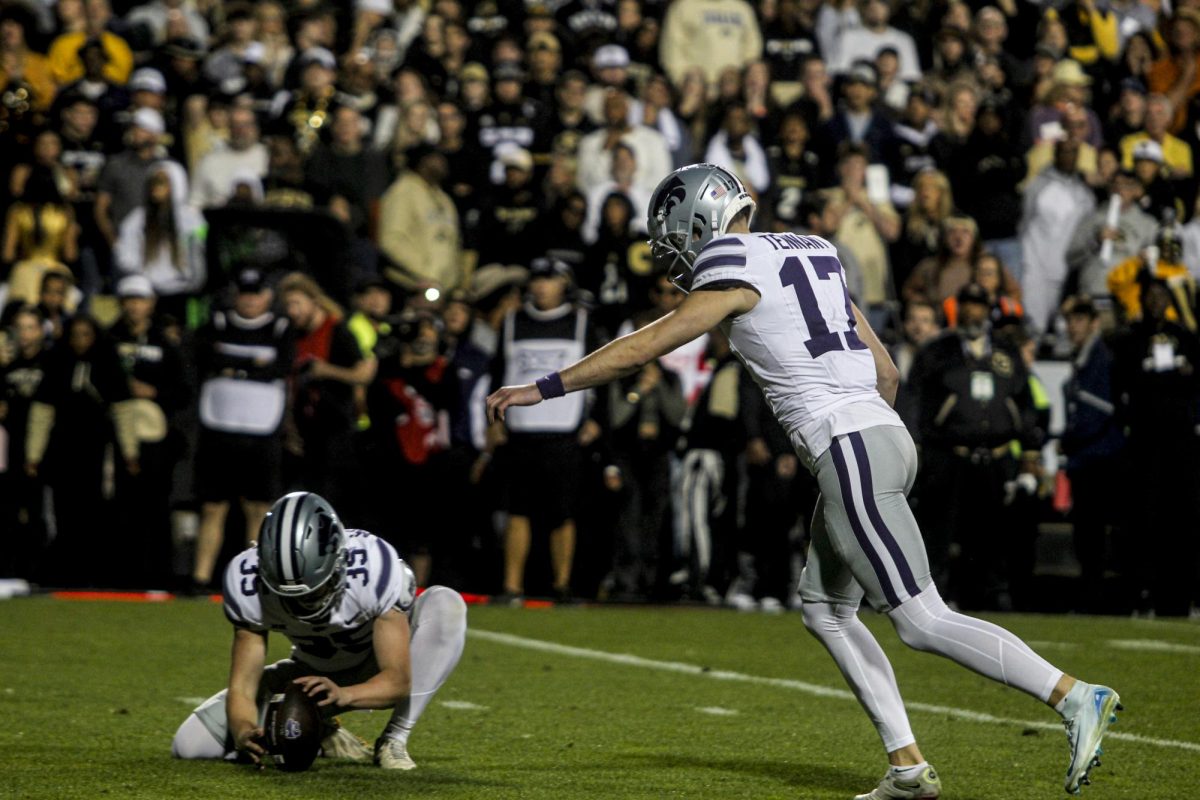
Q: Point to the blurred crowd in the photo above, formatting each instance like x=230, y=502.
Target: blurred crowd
x=253, y=247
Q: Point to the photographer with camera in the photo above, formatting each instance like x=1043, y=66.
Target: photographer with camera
x=410, y=404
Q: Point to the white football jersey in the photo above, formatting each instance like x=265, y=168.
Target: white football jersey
x=799, y=342
x=376, y=580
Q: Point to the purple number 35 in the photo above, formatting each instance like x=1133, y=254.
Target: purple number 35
x=823, y=340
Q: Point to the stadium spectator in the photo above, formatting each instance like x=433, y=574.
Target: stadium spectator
x=709, y=35
x=870, y=224
x=1092, y=441
x=329, y=365
x=1163, y=261
x=244, y=155
x=621, y=182
x=1090, y=256
x=158, y=20
x=921, y=235
x=23, y=361
x=875, y=33
x=910, y=153
x=988, y=175
x=79, y=410
x=737, y=149
x=68, y=52
x=418, y=228
x=988, y=273
x=857, y=120
x=18, y=63
x=158, y=391
x=778, y=493
x=1054, y=203
x=941, y=276
x=243, y=356
x=510, y=213
x=596, y=149
x=641, y=418
x=123, y=181
x=1176, y=73
x=1154, y=384
x=1176, y=154
x=40, y=230
x=920, y=327
x=163, y=240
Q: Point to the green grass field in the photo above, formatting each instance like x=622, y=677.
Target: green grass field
x=91, y=694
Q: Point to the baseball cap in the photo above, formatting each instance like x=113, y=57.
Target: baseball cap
x=973, y=293
x=610, y=56
x=250, y=281
x=318, y=55
x=255, y=53
x=135, y=286
x=517, y=157
x=369, y=282
x=1148, y=150
x=184, y=47
x=149, y=120
x=1133, y=85
x=1070, y=72
x=508, y=71
x=147, y=79
x=861, y=72
x=548, y=267
x=542, y=40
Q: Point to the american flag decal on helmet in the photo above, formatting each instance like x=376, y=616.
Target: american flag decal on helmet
x=717, y=192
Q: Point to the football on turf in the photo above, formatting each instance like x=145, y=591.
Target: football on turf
x=293, y=729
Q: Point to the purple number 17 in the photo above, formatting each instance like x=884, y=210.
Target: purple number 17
x=823, y=340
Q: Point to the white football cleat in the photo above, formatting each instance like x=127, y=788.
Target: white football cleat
x=926, y=785
x=1085, y=729
x=391, y=753
x=341, y=743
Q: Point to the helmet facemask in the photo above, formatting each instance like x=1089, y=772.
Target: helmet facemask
x=316, y=603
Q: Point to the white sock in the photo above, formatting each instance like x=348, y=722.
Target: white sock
x=439, y=632
x=1072, y=700
x=909, y=771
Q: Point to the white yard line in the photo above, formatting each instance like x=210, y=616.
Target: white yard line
x=462, y=705
x=1153, y=646
x=625, y=659
x=717, y=711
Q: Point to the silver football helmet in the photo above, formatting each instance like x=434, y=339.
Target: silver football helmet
x=302, y=554
x=691, y=207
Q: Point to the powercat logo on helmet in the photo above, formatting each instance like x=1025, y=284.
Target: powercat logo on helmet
x=671, y=195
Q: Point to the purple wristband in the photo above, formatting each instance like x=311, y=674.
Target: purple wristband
x=551, y=386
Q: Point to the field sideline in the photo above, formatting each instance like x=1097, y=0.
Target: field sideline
x=590, y=702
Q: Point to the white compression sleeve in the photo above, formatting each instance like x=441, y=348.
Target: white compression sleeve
x=925, y=622
x=864, y=666
x=439, y=633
